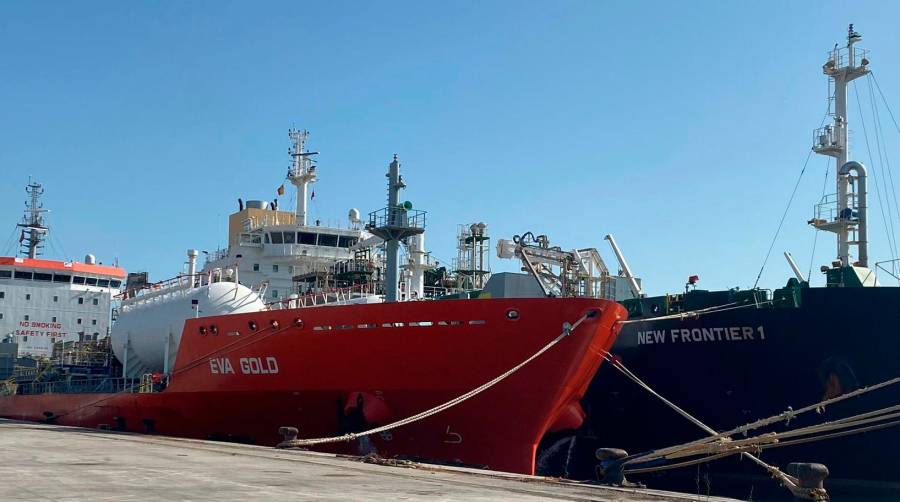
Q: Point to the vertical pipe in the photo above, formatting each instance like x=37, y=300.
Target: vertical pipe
x=393, y=217
x=862, y=203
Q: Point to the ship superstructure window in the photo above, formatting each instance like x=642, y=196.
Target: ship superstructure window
x=1, y=315
x=78, y=280
x=277, y=238
x=96, y=301
x=78, y=321
x=267, y=238
x=115, y=284
x=39, y=276
x=256, y=267
x=22, y=275
x=27, y=296
x=55, y=298
x=328, y=240
x=26, y=317
x=91, y=281
x=289, y=237
x=5, y=274
x=61, y=278
x=53, y=319
x=275, y=268
x=274, y=293
x=307, y=238
x=80, y=301
x=2, y=294
x=93, y=322
x=103, y=283
x=346, y=241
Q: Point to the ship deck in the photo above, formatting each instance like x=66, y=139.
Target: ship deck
x=47, y=462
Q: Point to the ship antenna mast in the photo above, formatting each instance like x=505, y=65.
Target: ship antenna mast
x=33, y=229
x=302, y=171
x=848, y=218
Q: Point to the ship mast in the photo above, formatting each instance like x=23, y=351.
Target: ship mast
x=838, y=213
x=33, y=229
x=302, y=171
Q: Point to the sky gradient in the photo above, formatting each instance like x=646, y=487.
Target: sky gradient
x=679, y=128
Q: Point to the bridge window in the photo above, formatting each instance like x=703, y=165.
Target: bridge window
x=277, y=238
x=5, y=274
x=103, y=283
x=328, y=240
x=91, y=281
x=289, y=237
x=39, y=276
x=61, y=278
x=115, y=284
x=267, y=238
x=346, y=241
x=23, y=275
x=78, y=280
x=308, y=238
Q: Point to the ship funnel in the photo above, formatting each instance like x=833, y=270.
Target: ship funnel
x=861, y=204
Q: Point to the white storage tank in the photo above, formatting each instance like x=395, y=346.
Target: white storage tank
x=147, y=321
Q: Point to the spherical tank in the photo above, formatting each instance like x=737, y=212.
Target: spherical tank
x=146, y=323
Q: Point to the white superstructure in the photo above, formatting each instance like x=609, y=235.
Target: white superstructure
x=290, y=254
x=47, y=301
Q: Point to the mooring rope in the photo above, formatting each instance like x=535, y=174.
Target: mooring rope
x=567, y=330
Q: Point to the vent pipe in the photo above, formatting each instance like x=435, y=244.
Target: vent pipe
x=861, y=205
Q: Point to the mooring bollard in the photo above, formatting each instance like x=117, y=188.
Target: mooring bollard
x=288, y=433
x=611, y=470
x=810, y=479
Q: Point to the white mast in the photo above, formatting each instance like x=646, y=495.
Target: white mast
x=33, y=229
x=844, y=65
x=302, y=171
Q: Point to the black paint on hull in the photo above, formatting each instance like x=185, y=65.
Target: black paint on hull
x=760, y=362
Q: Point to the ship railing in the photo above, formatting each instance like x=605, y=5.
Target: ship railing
x=327, y=296
x=181, y=284
x=841, y=56
x=438, y=291
x=397, y=217
x=89, y=385
x=827, y=209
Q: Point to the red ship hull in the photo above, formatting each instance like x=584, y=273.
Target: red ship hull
x=332, y=370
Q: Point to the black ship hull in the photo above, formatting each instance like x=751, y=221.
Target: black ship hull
x=731, y=367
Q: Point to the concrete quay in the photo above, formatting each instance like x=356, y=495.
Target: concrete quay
x=52, y=463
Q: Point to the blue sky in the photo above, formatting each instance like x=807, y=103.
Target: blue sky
x=679, y=128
